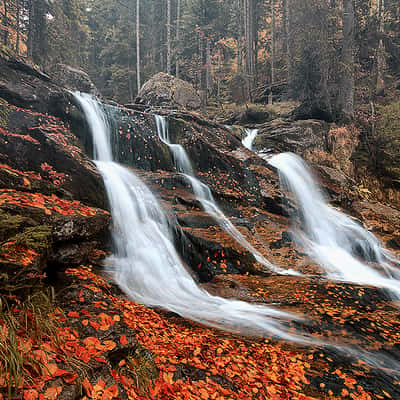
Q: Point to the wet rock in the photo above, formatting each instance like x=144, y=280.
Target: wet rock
x=76, y=227
x=40, y=154
x=167, y=91
x=73, y=254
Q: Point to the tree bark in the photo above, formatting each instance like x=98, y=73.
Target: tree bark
x=287, y=40
x=169, y=37
x=208, y=67
x=347, y=87
x=240, y=24
x=249, y=46
x=270, y=99
x=178, y=39
x=17, y=27
x=380, y=57
x=138, y=45
x=37, y=30
x=5, y=22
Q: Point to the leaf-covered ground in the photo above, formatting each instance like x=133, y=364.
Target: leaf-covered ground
x=108, y=347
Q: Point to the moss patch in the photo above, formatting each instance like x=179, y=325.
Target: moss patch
x=10, y=225
x=37, y=238
x=5, y=110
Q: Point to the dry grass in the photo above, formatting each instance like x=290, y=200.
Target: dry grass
x=28, y=320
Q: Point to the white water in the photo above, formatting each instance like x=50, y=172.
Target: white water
x=248, y=141
x=204, y=196
x=149, y=270
x=147, y=266
x=333, y=239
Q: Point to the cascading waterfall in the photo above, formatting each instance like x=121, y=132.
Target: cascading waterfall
x=204, y=196
x=149, y=270
x=248, y=141
x=147, y=266
x=334, y=240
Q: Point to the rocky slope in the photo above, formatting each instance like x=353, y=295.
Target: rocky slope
x=55, y=233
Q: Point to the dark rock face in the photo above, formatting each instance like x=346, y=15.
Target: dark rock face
x=53, y=156
x=73, y=79
x=280, y=135
x=47, y=182
x=248, y=117
x=167, y=91
x=25, y=86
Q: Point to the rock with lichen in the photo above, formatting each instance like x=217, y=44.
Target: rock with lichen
x=168, y=91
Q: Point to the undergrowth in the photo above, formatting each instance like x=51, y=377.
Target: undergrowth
x=22, y=325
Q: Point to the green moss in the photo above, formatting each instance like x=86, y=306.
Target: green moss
x=10, y=225
x=141, y=367
x=5, y=110
x=37, y=238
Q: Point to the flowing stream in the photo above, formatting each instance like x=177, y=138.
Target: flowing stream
x=204, y=196
x=248, y=141
x=147, y=266
x=344, y=249
x=149, y=270
x=341, y=246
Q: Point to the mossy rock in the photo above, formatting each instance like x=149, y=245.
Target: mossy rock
x=38, y=238
x=5, y=110
x=10, y=225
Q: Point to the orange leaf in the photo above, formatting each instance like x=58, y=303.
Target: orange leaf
x=91, y=341
x=204, y=394
x=88, y=387
x=52, y=392
x=123, y=340
x=30, y=394
x=73, y=314
x=109, y=345
x=94, y=324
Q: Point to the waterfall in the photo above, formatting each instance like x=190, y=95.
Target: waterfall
x=251, y=134
x=338, y=243
x=203, y=194
x=148, y=268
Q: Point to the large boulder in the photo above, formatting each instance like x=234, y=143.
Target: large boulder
x=166, y=90
x=282, y=135
x=73, y=78
x=25, y=86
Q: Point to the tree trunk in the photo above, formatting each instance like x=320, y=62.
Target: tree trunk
x=37, y=30
x=17, y=27
x=203, y=71
x=5, y=22
x=219, y=75
x=178, y=43
x=380, y=57
x=208, y=67
x=249, y=46
x=270, y=99
x=347, y=87
x=240, y=25
x=139, y=85
x=169, y=37
x=287, y=41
